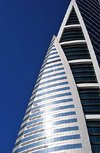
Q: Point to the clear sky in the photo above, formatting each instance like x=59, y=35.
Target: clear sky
x=26, y=28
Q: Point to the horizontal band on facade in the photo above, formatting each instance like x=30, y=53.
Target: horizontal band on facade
x=58, y=122
x=50, y=108
x=51, y=91
x=50, y=141
x=34, y=103
x=52, y=131
x=57, y=69
x=46, y=80
x=47, y=87
x=56, y=74
x=60, y=101
x=53, y=65
x=51, y=97
x=54, y=123
x=57, y=88
x=50, y=111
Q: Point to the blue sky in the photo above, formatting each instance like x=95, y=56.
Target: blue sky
x=26, y=28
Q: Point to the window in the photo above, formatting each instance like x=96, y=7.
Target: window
x=72, y=18
x=83, y=73
x=71, y=34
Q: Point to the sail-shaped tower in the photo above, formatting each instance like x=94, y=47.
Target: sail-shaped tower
x=63, y=115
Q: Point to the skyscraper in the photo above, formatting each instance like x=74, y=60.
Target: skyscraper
x=63, y=114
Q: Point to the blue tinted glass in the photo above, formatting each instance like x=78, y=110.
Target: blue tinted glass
x=51, y=103
x=50, y=141
x=94, y=130
x=53, y=53
x=60, y=122
x=33, y=129
x=53, y=48
x=73, y=57
x=49, y=76
x=91, y=95
x=96, y=148
x=56, y=115
x=93, y=123
x=54, y=85
x=53, y=61
x=74, y=128
x=90, y=11
x=53, y=66
x=53, y=70
x=91, y=79
x=65, y=121
x=55, y=102
x=58, y=148
x=55, y=90
x=50, y=86
x=66, y=129
x=65, y=114
x=95, y=139
x=90, y=101
x=51, y=97
x=53, y=57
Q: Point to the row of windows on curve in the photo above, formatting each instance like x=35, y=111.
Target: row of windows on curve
x=90, y=99
x=83, y=72
x=94, y=133
x=76, y=51
x=72, y=33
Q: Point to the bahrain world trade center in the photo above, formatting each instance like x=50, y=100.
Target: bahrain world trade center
x=63, y=115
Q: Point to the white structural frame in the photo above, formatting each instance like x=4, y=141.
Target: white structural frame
x=91, y=51
x=86, y=147
x=87, y=40
x=86, y=35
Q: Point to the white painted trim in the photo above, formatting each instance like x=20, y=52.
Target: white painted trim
x=73, y=42
x=93, y=117
x=80, y=61
x=72, y=26
x=86, y=85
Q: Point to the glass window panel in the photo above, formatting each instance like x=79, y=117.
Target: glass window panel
x=90, y=101
x=76, y=53
x=82, y=69
x=62, y=138
x=93, y=95
x=72, y=18
x=82, y=74
x=72, y=39
x=74, y=128
x=86, y=80
x=94, y=130
x=72, y=34
x=73, y=57
x=95, y=139
x=86, y=65
x=96, y=148
x=89, y=90
x=93, y=123
x=91, y=109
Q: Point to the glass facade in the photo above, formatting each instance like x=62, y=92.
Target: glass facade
x=52, y=122
x=84, y=72
x=90, y=11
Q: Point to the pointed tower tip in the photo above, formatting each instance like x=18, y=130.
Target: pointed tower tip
x=53, y=37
